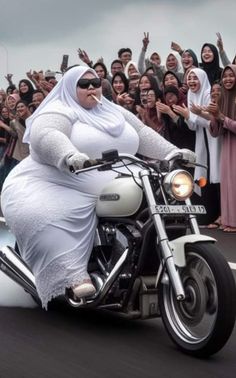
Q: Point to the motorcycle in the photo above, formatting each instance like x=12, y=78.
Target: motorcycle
x=149, y=258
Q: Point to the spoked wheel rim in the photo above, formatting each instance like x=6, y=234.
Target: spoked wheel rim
x=194, y=318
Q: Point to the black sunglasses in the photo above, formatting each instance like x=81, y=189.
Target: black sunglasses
x=85, y=83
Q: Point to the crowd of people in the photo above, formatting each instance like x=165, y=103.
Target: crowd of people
x=189, y=103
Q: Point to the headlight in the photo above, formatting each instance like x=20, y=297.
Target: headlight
x=179, y=184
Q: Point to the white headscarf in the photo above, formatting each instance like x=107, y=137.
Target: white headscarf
x=179, y=67
x=202, y=96
x=105, y=117
x=126, y=70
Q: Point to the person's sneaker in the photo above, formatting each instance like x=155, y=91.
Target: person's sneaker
x=85, y=289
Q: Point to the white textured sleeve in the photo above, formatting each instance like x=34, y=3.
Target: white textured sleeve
x=151, y=144
x=194, y=121
x=49, y=140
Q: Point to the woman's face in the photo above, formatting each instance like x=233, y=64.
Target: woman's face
x=171, y=62
x=207, y=55
x=131, y=70
x=171, y=99
x=100, y=71
x=22, y=110
x=151, y=99
x=11, y=102
x=187, y=60
x=133, y=84
x=118, y=85
x=193, y=82
x=228, y=79
x=144, y=83
x=23, y=87
x=215, y=92
x=170, y=80
x=155, y=58
x=84, y=95
x=5, y=112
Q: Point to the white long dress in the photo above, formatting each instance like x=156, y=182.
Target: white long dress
x=59, y=199
x=52, y=211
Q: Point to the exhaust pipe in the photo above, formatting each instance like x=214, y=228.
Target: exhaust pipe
x=15, y=268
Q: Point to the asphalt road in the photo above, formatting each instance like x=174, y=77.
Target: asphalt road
x=65, y=343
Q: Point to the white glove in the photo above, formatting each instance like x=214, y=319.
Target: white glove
x=76, y=161
x=188, y=155
x=184, y=154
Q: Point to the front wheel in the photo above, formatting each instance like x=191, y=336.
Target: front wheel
x=202, y=323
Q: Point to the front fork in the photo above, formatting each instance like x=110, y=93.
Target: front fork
x=162, y=238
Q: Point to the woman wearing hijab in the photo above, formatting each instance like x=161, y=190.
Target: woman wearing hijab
x=178, y=131
x=26, y=91
x=171, y=79
x=130, y=69
x=10, y=102
x=210, y=62
x=173, y=64
x=50, y=210
x=224, y=123
x=189, y=61
x=207, y=148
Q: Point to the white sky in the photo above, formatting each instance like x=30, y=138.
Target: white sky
x=35, y=34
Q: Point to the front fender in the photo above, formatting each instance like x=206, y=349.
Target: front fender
x=178, y=246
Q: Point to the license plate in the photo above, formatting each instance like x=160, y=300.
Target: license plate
x=180, y=209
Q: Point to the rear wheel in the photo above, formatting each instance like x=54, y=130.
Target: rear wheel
x=202, y=323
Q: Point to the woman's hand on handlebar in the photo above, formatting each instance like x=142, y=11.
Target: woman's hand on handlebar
x=76, y=161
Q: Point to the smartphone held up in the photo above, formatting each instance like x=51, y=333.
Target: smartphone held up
x=64, y=63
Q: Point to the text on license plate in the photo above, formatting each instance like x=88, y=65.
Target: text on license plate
x=180, y=209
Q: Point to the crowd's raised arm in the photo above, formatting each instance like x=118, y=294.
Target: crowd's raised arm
x=191, y=103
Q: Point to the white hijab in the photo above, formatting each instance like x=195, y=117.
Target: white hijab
x=179, y=67
x=126, y=70
x=202, y=96
x=105, y=117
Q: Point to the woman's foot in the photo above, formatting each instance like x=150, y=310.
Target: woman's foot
x=216, y=224
x=84, y=289
x=229, y=230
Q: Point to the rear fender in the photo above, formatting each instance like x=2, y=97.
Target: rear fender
x=178, y=246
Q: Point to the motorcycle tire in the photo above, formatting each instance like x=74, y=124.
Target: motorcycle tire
x=201, y=324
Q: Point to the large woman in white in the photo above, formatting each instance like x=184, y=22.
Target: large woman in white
x=50, y=210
